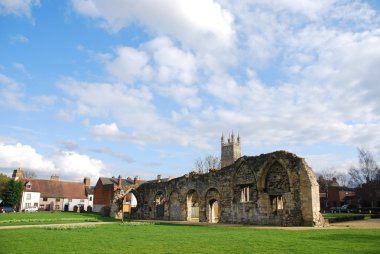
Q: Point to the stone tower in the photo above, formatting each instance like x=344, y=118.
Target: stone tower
x=231, y=151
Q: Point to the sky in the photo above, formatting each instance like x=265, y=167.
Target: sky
x=143, y=87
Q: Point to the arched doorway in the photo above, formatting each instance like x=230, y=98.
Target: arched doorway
x=213, y=205
x=159, y=203
x=192, y=206
x=213, y=211
x=130, y=205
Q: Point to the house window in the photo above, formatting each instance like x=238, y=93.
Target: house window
x=35, y=204
x=56, y=207
x=70, y=200
x=28, y=186
x=57, y=199
x=28, y=196
x=82, y=200
x=42, y=206
x=90, y=198
x=245, y=194
x=28, y=204
x=44, y=199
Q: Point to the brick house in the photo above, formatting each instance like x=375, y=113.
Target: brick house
x=336, y=196
x=104, y=190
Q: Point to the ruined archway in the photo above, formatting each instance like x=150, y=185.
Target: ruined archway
x=276, y=185
x=174, y=206
x=192, y=200
x=213, y=205
x=125, y=203
x=159, y=205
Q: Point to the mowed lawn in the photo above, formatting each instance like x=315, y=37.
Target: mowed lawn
x=11, y=219
x=151, y=238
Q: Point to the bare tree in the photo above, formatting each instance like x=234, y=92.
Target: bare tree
x=199, y=166
x=29, y=174
x=367, y=170
x=325, y=179
x=208, y=163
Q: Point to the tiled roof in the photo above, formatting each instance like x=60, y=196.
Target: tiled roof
x=57, y=189
x=107, y=181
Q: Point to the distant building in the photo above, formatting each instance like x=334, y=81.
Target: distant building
x=53, y=194
x=336, y=196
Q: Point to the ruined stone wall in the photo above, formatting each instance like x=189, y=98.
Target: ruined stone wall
x=272, y=189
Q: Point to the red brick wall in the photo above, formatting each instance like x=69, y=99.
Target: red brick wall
x=103, y=193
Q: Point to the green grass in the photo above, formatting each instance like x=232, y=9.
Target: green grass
x=338, y=215
x=150, y=238
x=12, y=219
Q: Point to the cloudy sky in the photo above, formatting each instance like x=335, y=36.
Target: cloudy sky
x=143, y=87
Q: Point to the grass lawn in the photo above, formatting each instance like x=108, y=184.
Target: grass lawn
x=10, y=219
x=337, y=215
x=151, y=238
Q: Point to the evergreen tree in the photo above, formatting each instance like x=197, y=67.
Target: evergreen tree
x=3, y=182
x=12, y=193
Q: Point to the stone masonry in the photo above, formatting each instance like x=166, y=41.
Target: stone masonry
x=278, y=188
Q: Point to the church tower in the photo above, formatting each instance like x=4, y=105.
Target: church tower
x=231, y=150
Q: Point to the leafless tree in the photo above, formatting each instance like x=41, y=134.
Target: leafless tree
x=208, y=163
x=29, y=174
x=367, y=171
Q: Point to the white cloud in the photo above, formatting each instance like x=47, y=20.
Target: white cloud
x=77, y=166
x=12, y=96
x=22, y=69
x=129, y=65
x=18, y=7
x=18, y=38
x=198, y=23
x=172, y=63
x=25, y=156
x=108, y=131
x=68, y=165
x=312, y=70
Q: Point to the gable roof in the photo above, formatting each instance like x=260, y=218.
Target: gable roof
x=112, y=180
x=56, y=189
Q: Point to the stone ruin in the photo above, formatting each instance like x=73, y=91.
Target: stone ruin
x=277, y=189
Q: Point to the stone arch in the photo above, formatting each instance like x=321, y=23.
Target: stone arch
x=121, y=205
x=131, y=203
x=245, y=188
x=192, y=202
x=276, y=182
x=159, y=204
x=175, y=211
x=213, y=209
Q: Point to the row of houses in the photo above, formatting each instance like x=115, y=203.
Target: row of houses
x=366, y=195
x=56, y=195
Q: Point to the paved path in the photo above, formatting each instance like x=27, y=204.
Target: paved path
x=58, y=225
x=370, y=223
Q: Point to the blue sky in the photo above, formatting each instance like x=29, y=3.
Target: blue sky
x=103, y=88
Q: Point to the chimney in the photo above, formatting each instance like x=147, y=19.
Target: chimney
x=54, y=178
x=86, y=181
x=18, y=174
x=136, y=180
x=158, y=178
x=120, y=181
